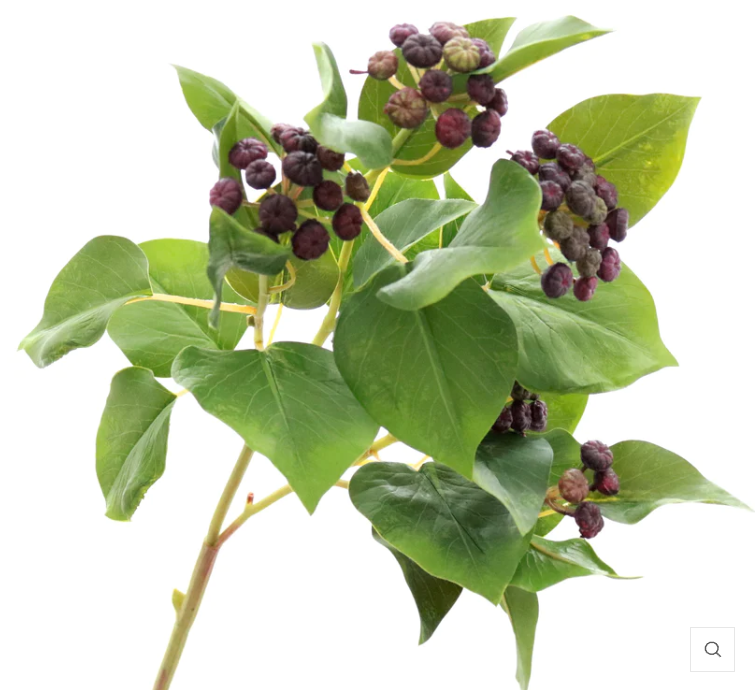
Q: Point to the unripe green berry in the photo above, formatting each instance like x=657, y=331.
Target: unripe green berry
x=461, y=55
x=589, y=264
x=382, y=65
x=558, y=226
x=406, y=108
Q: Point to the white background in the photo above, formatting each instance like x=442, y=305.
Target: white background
x=96, y=139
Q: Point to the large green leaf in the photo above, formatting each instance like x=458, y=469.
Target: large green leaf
x=209, y=99
x=132, y=440
x=105, y=274
x=289, y=403
x=233, y=246
x=637, y=142
x=651, y=477
x=568, y=346
x=496, y=236
x=515, y=470
x=405, y=224
x=549, y=562
x=453, y=190
x=151, y=334
x=564, y=411
x=369, y=141
x=522, y=609
x=539, y=41
x=434, y=597
x=493, y=31
x=443, y=522
x=436, y=378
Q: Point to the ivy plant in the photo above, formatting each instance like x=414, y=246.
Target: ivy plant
x=473, y=332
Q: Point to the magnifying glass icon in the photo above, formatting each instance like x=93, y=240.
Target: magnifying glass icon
x=714, y=647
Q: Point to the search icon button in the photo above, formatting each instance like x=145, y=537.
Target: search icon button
x=714, y=647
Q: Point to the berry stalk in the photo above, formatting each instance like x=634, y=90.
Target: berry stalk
x=259, y=316
x=329, y=322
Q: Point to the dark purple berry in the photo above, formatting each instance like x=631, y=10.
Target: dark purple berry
x=357, y=186
x=610, y=267
x=588, y=519
x=580, y=198
x=558, y=226
x=503, y=423
x=406, y=108
x=445, y=31
x=596, y=456
x=487, y=56
x=573, y=486
x=461, y=55
x=453, y=128
x=607, y=482
x=347, y=222
x=521, y=417
x=302, y=168
x=382, y=65
x=399, y=33
x=527, y=160
x=260, y=174
x=576, y=245
x=327, y=195
x=539, y=413
x=310, y=241
x=599, y=236
x=486, y=128
x=227, y=194
x=545, y=144
x=570, y=156
x=278, y=213
x=598, y=214
x=584, y=288
x=294, y=138
x=606, y=191
x=555, y=173
x=270, y=235
x=246, y=152
x=519, y=392
x=481, y=88
x=500, y=102
x=553, y=195
x=277, y=130
x=330, y=160
x=589, y=264
x=422, y=50
x=436, y=85
x=618, y=224
x=557, y=280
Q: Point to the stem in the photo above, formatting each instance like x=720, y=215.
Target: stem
x=192, y=302
x=289, y=283
x=395, y=82
x=259, y=316
x=400, y=139
x=548, y=256
x=375, y=188
x=329, y=322
x=231, y=487
x=253, y=509
x=435, y=149
x=380, y=237
x=387, y=440
x=533, y=261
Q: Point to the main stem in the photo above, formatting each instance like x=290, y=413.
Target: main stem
x=329, y=322
x=262, y=300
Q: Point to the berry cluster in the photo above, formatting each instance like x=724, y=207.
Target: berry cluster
x=450, y=45
x=580, y=215
x=303, y=164
x=526, y=413
x=574, y=487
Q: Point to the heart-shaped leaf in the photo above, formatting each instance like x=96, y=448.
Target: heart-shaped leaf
x=288, y=403
x=105, y=274
x=436, y=378
x=443, y=522
x=636, y=142
x=132, y=440
x=209, y=99
x=453, y=190
x=522, y=609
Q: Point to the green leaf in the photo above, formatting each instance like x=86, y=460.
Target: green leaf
x=637, y=142
x=495, y=237
x=404, y=224
x=288, y=403
x=522, y=609
x=453, y=190
x=105, y=274
x=493, y=31
x=434, y=597
x=369, y=141
x=564, y=411
x=539, y=41
x=151, y=334
x=549, y=562
x=436, y=378
x=209, y=99
x=446, y=524
x=651, y=477
x=132, y=440
x=566, y=454
x=515, y=470
x=603, y=344
x=232, y=245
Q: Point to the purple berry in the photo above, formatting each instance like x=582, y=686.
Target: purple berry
x=399, y=33
x=246, y=152
x=487, y=56
x=436, y=85
x=382, y=65
x=302, y=168
x=277, y=130
x=527, y=160
x=297, y=139
x=347, y=222
x=570, y=157
x=227, y=194
x=584, y=288
x=558, y=226
x=260, y=174
x=618, y=224
x=461, y=55
x=500, y=102
x=539, y=414
x=521, y=416
x=278, y=213
x=481, y=88
x=406, y=108
x=557, y=280
x=599, y=236
x=573, y=486
x=607, y=482
x=330, y=160
x=553, y=195
x=610, y=267
x=327, y=195
x=486, y=128
x=422, y=50
x=580, y=198
x=555, y=173
x=445, y=31
x=453, y=128
x=576, y=245
x=504, y=421
x=588, y=519
x=357, y=186
x=310, y=241
x=606, y=191
x=545, y=144
x=596, y=456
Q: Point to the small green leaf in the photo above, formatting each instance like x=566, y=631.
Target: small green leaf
x=105, y=274
x=515, y=470
x=434, y=597
x=209, y=99
x=242, y=122
x=232, y=245
x=132, y=440
x=522, y=609
x=603, y=344
x=151, y=334
x=496, y=236
x=177, y=600
x=288, y=403
x=436, y=378
x=539, y=41
x=404, y=224
x=549, y=562
x=651, y=477
x=369, y=141
x=636, y=142
x=447, y=525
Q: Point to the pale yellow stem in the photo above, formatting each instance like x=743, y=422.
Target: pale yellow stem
x=535, y=266
x=395, y=82
x=420, y=462
x=548, y=256
x=191, y=302
x=289, y=283
x=419, y=161
x=380, y=237
x=375, y=189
